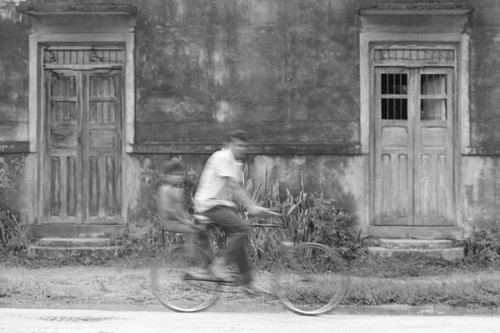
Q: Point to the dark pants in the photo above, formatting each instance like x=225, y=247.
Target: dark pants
x=236, y=231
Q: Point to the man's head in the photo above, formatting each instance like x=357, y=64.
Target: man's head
x=237, y=142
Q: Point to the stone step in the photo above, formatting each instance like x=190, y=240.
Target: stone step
x=73, y=242
x=59, y=252
x=72, y=230
x=451, y=253
x=416, y=243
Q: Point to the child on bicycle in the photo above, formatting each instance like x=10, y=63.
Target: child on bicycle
x=173, y=215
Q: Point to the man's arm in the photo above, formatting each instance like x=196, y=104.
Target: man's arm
x=239, y=192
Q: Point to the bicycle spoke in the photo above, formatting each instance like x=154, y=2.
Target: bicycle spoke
x=311, y=279
x=176, y=292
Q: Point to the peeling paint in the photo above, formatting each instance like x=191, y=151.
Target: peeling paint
x=222, y=112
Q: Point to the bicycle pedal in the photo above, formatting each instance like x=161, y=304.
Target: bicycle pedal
x=207, y=278
x=188, y=276
x=227, y=282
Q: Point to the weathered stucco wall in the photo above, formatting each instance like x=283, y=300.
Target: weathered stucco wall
x=485, y=93
x=287, y=71
x=13, y=75
x=16, y=166
x=481, y=191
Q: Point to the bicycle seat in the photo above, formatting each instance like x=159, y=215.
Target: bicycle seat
x=202, y=219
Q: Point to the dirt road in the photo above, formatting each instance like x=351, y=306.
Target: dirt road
x=13, y=320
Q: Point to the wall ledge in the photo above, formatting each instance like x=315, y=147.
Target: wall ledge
x=415, y=9
x=253, y=149
x=72, y=9
x=9, y=147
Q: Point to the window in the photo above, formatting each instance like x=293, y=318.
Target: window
x=394, y=99
x=433, y=95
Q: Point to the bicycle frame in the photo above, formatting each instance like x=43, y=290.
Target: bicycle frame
x=298, y=267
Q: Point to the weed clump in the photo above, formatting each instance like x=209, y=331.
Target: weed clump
x=305, y=217
x=12, y=236
x=483, y=248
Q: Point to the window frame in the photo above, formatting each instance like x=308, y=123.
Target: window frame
x=388, y=23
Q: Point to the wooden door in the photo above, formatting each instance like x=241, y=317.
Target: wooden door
x=81, y=169
x=413, y=164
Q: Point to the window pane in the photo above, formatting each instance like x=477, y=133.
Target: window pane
x=433, y=109
x=394, y=108
x=433, y=84
x=394, y=84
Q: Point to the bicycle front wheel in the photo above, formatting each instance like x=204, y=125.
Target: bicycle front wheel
x=311, y=279
x=172, y=289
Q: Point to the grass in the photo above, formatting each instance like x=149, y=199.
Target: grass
x=125, y=281
x=459, y=289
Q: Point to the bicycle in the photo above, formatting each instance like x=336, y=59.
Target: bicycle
x=309, y=278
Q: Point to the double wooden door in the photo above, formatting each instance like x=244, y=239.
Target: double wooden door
x=414, y=146
x=81, y=168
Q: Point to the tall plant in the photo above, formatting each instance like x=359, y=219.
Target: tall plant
x=306, y=217
x=12, y=237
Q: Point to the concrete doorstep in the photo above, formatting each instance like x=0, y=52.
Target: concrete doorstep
x=436, y=248
x=56, y=248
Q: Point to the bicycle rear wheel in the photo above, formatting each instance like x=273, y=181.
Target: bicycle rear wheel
x=311, y=279
x=173, y=290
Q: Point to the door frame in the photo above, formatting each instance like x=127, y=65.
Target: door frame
x=396, y=23
x=89, y=24
x=413, y=147
x=409, y=230
x=37, y=103
x=82, y=74
x=461, y=43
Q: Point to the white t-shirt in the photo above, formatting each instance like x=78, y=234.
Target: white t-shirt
x=211, y=190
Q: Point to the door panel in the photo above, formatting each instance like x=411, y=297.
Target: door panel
x=104, y=145
x=82, y=164
x=434, y=170
x=394, y=149
x=61, y=200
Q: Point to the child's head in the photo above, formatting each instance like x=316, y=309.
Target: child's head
x=173, y=171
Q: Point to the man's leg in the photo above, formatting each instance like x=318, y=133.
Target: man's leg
x=237, y=231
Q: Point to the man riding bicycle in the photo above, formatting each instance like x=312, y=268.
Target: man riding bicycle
x=219, y=185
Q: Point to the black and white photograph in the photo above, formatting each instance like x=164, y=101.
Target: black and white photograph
x=249, y=166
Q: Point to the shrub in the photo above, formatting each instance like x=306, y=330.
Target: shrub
x=306, y=217
x=483, y=247
x=12, y=236
x=316, y=219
